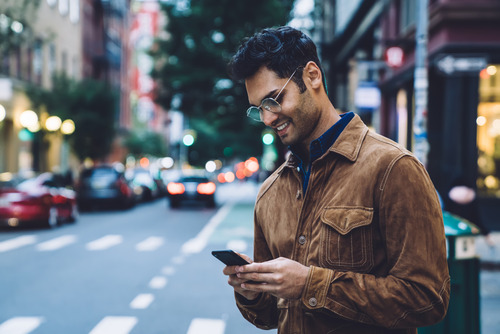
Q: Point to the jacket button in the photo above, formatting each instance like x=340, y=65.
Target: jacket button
x=313, y=302
x=302, y=240
x=298, y=169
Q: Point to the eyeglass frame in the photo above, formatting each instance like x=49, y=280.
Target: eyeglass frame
x=274, y=100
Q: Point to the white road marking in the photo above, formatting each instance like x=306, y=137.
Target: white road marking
x=198, y=243
x=115, y=325
x=206, y=326
x=158, y=282
x=150, y=244
x=20, y=325
x=168, y=270
x=17, y=243
x=105, y=242
x=56, y=243
x=237, y=245
x=142, y=301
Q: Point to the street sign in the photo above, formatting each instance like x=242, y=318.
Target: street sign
x=449, y=64
x=367, y=95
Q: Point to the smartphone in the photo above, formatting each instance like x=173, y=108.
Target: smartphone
x=229, y=257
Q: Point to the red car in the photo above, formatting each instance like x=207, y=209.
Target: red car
x=43, y=200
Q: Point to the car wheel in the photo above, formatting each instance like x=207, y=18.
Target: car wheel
x=174, y=204
x=53, y=219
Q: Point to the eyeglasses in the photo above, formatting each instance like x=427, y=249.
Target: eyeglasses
x=268, y=104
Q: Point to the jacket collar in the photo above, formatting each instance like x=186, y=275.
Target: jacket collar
x=348, y=144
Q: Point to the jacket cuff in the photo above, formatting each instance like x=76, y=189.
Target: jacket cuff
x=317, y=286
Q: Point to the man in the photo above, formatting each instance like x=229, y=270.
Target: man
x=349, y=236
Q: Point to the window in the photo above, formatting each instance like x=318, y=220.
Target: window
x=37, y=61
x=488, y=132
x=74, y=11
x=63, y=7
x=407, y=14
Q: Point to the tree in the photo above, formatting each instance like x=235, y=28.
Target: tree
x=191, y=65
x=90, y=104
x=16, y=17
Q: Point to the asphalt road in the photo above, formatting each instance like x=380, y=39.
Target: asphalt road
x=146, y=270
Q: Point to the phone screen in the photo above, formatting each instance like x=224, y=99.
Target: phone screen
x=229, y=257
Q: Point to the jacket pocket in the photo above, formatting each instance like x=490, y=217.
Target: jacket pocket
x=346, y=238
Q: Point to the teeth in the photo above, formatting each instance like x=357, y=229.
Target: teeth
x=282, y=126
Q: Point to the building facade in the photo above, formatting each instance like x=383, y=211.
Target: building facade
x=463, y=99
x=50, y=44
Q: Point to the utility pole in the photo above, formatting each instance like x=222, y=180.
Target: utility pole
x=421, y=83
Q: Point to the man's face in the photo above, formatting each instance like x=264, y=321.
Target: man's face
x=298, y=119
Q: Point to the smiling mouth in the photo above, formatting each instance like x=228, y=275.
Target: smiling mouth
x=282, y=126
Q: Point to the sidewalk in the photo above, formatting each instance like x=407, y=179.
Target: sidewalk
x=489, y=255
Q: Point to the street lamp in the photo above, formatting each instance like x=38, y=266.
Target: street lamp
x=29, y=120
x=53, y=123
x=3, y=113
x=67, y=127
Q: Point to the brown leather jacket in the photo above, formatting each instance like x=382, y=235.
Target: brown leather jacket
x=369, y=227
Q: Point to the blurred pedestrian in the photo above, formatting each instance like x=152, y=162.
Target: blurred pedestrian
x=462, y=201
x=349, y=235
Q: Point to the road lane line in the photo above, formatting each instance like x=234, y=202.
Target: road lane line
x=158, y=282
x=104, y=242
x=115, y=325
x=142, y=301
x=206, y=326
x=56, y=243
x=20, y=325
x=168, y=270
x=18, y=242
x=150, y=244
x=198, y=243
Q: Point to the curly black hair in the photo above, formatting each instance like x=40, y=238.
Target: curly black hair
x=282, y=50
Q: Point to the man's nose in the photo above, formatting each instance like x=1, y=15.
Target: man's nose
x=268, y=117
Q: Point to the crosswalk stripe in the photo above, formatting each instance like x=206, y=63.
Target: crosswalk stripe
x=206, y=326
x=150, y=244
x=115, y=325
x=158, y=282
x=20, y=325
x=142, y=301
x=105, y=242
x=56, y=243
x=17, y=242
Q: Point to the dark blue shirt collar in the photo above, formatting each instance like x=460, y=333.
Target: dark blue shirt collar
x=320, y=146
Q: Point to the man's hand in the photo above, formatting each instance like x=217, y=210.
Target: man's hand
x=236, y=282
x=280, y=277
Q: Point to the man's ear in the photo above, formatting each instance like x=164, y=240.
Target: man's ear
x=313, y=75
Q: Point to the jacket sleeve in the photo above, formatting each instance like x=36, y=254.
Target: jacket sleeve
x=263, y=311
x=415, y=292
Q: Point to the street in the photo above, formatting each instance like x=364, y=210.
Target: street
x=145, y=271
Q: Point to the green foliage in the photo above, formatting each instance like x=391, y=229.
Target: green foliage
x=146, y=143
x=191, y=64
x=15, y=12
x=90, y=104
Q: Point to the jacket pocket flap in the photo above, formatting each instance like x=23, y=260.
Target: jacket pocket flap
x=345, y=219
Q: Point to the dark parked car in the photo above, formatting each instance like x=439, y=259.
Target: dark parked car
x=191, y=189
x=44, y=199
x=104, y=186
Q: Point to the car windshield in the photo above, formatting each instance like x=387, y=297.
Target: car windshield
x=194, y=179
x=100, y=173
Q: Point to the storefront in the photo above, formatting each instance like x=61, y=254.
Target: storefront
x=488, y=132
